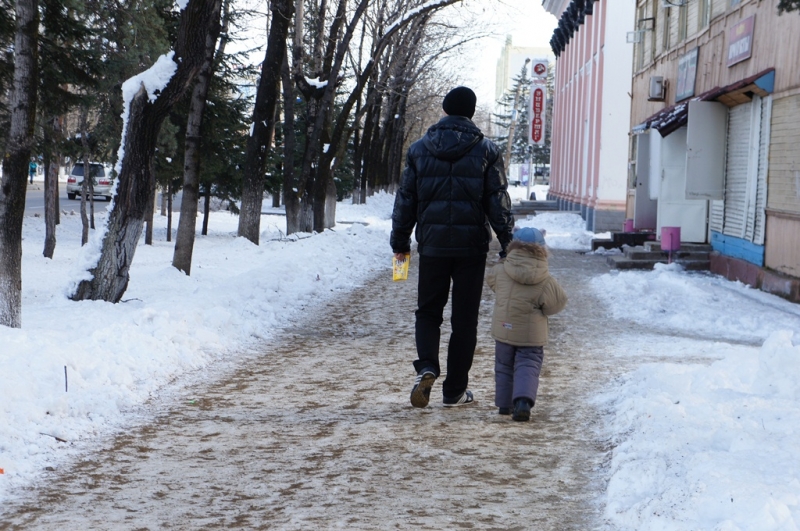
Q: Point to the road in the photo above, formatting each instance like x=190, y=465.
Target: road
x=34, y=200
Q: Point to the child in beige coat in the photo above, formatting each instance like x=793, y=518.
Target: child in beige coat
x=526, y=295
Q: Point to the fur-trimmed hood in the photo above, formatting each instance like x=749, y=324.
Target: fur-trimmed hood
x=526, y=263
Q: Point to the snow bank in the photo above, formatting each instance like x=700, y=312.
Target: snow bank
x=118, y=355
x=709, y=447
x=705, y=304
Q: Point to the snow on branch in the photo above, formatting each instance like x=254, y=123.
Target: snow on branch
x=427, y=6
x=316, y=83
x=154, y=80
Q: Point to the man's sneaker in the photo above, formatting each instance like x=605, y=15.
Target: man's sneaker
x=421, y=392
x=504, y=410
x=465, y=398
x=522, y=410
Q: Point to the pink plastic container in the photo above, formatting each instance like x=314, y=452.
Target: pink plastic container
x=628, y=227
x=670, y=238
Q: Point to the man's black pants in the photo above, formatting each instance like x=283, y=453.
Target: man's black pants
x=434, y=287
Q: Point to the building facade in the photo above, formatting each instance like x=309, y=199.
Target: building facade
x=715, y=118
x=591, y=109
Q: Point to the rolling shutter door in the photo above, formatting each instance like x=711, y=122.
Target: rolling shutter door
x=717, y=215
x=763, y=168
x=736, y=170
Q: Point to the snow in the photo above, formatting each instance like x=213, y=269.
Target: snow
x=118, y=355
x=702, y=429
x=154, y=80
x=411, y=14
x=316, y=83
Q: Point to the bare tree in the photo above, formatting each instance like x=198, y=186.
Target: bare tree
x=187, y=224
x=146, y=112
x=263, y=126
x=15, y=164
x=328, y=129
x=51, y=188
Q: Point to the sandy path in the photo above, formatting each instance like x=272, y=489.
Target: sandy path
x=318, y=433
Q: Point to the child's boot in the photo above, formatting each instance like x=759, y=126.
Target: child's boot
x=522, y=409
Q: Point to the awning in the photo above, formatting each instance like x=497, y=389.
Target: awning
x=676, y=116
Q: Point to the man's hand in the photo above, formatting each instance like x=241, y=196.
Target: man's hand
x=400, y=257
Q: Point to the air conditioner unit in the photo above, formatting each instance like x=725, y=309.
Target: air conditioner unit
x=658, y=89
x=634, y=36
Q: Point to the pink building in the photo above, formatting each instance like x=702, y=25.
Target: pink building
x=591, y=109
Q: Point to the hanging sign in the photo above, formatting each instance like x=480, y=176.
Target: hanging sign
x=536, y=114
x=687, y=72
x=740, y=41
x=539, y=70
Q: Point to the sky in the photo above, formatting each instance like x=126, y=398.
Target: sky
x=703, y=438
x=528, y=24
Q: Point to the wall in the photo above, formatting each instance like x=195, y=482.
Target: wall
x=776, y=44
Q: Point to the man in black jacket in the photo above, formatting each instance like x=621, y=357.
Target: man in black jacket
x=452, y=189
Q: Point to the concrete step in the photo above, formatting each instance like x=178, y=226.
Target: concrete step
x=641, y=253
x=690, y=247
x=605, y=244
x=622, y=262
x=536, y=205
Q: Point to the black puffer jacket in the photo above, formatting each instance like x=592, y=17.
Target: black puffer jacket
x=453, y=188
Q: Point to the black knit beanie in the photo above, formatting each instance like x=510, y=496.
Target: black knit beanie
x=460, y=102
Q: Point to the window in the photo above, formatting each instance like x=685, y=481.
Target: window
x=683, y=16
x=704, y=15
x=667, y=31
x=640, y=14
x=653, y=25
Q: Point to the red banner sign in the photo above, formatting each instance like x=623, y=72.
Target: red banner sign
x=537, y=116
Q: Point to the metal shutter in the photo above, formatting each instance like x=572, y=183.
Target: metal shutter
x=717, y=215
x=736, y=169
x=763, y=168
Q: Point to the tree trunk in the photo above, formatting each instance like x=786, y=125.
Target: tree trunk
x=124, y=226
x=187, y=224
x=150, y=209
x=51, y=189
x=50, y=196
x=263, y=125
x=290, y=188
x=331, y=195
x=206, y=210
x=86, y=180
x=22, y=103
x=169, y=210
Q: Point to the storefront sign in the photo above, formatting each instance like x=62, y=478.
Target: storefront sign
x=740, y=41
x=687, y=72
x=537, y=114
x=539, y=70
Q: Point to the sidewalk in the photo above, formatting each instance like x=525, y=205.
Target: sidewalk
x=317, y=432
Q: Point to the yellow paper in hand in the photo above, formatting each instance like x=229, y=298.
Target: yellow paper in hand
x=400, y=268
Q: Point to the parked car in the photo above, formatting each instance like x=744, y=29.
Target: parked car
x=102, y=180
